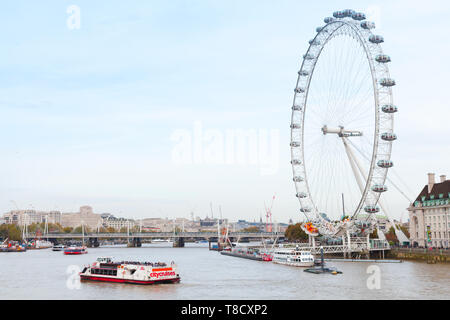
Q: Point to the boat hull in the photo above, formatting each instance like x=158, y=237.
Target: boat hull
x=12, y=250
x=130, y=281
x=74, y=252
x=226, y=253
x=322, y=270
x=295, y=264
x=251, y=257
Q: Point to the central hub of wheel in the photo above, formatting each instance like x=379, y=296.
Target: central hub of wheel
x=341, y=132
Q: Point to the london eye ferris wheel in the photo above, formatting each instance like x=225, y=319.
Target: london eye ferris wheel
x=342, y=126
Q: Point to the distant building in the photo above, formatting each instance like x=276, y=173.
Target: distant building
x=86, y=216
x=208, y=222
x=21, y=217
x=117, y=223
x=105, y=215
x=15, y=217
x=429, y=222
x=54, y=217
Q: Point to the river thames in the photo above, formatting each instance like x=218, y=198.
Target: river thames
x=47, y=274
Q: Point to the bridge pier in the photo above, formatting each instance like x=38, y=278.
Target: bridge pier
x=135, y=243
x=178, y=242
x=215, y=248
x=93, y=243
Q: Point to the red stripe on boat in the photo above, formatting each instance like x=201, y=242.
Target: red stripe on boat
x=93, y=278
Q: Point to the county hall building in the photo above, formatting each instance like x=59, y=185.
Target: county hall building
x=429, y=222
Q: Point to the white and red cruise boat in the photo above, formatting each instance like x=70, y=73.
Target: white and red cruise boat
x=294, y=257
x=104, y=269
x=75, y=250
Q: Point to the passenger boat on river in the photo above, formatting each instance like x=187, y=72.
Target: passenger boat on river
x=59, y=247
x=294, y=257
x=75, y=250
x=104, y=269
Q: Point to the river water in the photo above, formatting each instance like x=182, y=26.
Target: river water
x=47, y=274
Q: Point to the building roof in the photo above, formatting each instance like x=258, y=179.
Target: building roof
x=438, y=188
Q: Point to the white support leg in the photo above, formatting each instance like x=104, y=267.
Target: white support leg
x=352, y=164
x=399, y=233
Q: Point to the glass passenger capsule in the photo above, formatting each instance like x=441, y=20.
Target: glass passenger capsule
x=299, y=90
x=371, y=209
x=303, y=73
x=296, y=107
x=295, y=144
x=358, y=16
x=328, y=19
x=314, y=42
x=318, y=29
x=338, y=14
x=368, y=25
x=306, y=209
x=296, y=162
x=375, y=38
x=388, y=136
x=385, y=163
x=387, y=82
x=301, y=195
x=308, y=56
x=324, y=216
x=382, y=58
x=362, y=224
x=379, y=188
x=298, y=179
x=348, y=12
x=295, y=126
x=389, y=108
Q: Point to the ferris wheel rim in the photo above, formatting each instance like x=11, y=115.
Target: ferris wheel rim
x=362, y=37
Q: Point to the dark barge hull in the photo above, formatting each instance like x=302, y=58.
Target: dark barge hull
x=322, y=270
x=227, y=253
x=11, y=250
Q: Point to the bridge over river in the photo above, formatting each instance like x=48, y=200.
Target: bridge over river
x=350, y=246
x=134, y=239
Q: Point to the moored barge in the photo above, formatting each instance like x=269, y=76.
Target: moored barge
x=248, y=253
x=104, y=269
x=12, y=247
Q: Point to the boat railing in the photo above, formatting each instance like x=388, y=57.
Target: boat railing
x=143, y=263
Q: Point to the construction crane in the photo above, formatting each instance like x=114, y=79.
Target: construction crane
x=269, y=215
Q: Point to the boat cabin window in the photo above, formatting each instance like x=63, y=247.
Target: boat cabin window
x=105, y=272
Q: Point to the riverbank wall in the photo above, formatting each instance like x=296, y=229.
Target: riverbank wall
x=420, y=254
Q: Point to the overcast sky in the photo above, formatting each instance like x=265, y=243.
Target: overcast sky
x=134, y=112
